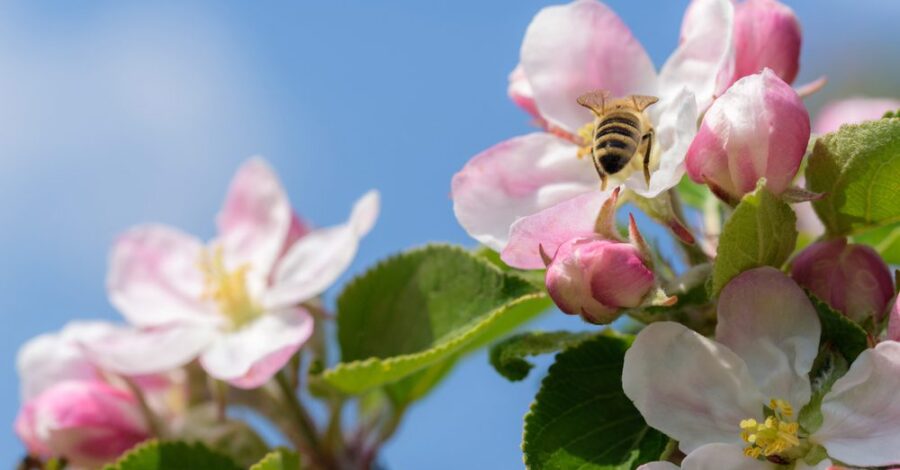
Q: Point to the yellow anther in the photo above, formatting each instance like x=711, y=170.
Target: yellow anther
x=586, y=134
x=775, y=435
x=228, y=289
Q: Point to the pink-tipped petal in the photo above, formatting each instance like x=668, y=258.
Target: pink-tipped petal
x=758, y=129
x=255, y=218
x=704, y=61
x=90, y=423
x=551, y=228
x=316, y=261
x=690, y=387
x=861, y=413
x=517, y=178
x=766, y=35
x=582, y=46
x=253, y=353
x=767, y=320
x=520, y=92
x=136, y=352
x=57, y=357
x=852, y=111
x=154, y=279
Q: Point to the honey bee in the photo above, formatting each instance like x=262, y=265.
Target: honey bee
x=621, y=131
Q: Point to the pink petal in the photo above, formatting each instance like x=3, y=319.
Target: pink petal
x=90, y=423
x=758, y=129
x=519, y=90
x=517, y=178
x=861, y=413
x=582, y=46
x=551, y=228
x=57, y=357
x=255, y=219
x=133, y=352
x=316, y=261
x=852, y=111
x=153, y=277
x=766, y=35
x=704, y=61
x=250, y=355
x=767, y=320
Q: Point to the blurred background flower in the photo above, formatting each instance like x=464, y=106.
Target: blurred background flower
x=114, y=114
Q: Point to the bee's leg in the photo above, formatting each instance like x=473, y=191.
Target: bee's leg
x=600, y=173
x=648, y=148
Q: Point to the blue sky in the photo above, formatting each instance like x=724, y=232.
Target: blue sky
x=117, y=113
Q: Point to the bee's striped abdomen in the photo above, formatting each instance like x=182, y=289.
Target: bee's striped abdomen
x=616, y=139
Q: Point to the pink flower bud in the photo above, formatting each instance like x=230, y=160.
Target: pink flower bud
x=852, y=111
x=851, y=278
x=766, y=35
x=758, y=129
x=595, y=278
x=90, y=423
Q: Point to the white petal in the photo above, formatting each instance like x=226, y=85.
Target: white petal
x=517, y=178
x=318, y=259
x=767, y=320
x=704, y=61
x=579, y=47
x=255, y=218
x=658, y=466
x=722, y=457
x=689, y=387
x=52, y=358
x=154, y=278
x=675, y=119
x=232, y=356
x=130, y=351
x=861, y=413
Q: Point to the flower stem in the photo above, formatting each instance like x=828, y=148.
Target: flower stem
x=149, y=416
x=301, y=418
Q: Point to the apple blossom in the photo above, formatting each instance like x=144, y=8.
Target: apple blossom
x=758, y=129
x=742, y=392
x=569, y=50
x=766, y=35
x=852, y=111
x=852, y=278
x=234, y=303
x=596, y=278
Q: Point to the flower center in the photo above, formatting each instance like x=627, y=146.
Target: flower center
x=228, y=289
x=776, y=435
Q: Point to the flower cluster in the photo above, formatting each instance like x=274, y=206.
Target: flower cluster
x=239, y=307
x=731, y=133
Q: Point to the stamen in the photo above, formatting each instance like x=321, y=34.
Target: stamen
x=776, y=435
x=586, y=135
x=228, y=289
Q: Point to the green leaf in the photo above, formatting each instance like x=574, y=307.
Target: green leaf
x=840, y=332
x=534, y=276
x=858, y=169
x=281, y=459
x=693, y=194
x=414, y=312
x=508, y=356
x=885, y=240
x=155, y=455
x=762, y=231
x=581, y=418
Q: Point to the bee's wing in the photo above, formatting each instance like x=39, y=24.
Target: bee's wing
x=594, y=100
x=641, y=102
